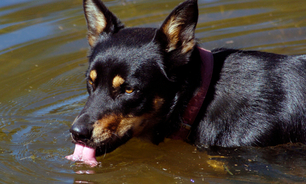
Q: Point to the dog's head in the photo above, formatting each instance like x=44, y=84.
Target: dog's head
x=135, y=76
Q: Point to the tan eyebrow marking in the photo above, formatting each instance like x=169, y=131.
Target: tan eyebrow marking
x=93, y=75
x=117, y=81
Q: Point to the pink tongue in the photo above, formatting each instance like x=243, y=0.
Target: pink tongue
x=84, y=154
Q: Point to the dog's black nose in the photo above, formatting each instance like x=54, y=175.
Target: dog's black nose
x=82, y=128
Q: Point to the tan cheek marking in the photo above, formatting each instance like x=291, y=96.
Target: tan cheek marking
x=104, y=128
x=117, y=125
x=138, y=123
x=135, y=123
x=117, y=81
x=93, y=75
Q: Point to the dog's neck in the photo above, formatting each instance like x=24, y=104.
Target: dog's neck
x=197, y=100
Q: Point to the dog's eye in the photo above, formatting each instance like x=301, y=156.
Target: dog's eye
x=129, y=90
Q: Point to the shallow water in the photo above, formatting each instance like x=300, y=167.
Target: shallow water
x=42, y=63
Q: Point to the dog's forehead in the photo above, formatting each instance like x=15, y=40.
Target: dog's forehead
x=133, y=45
x=128, y=37
x=130, y=52
x=122, y=55
x=124, y=62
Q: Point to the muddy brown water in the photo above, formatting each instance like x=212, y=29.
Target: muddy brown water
x=42, y=63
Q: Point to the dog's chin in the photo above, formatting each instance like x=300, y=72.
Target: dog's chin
x=107, y=147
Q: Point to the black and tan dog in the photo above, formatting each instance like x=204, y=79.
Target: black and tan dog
x=156, y=83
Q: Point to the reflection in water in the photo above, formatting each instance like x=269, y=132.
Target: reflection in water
x=25, y=35
x=269, y=162
x=43, y=52
x=85, y=172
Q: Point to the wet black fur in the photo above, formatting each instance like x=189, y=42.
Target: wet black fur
x=254, y=99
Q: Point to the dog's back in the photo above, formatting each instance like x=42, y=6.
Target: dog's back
x=255, y=98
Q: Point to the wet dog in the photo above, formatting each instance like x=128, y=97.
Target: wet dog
x=157, y=83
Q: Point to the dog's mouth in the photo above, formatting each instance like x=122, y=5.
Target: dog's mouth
x=106, y=134
x=84, y=154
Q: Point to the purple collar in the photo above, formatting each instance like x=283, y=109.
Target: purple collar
x=197, y=100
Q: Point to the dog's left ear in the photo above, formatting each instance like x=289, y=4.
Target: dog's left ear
x=100, y=21
x=179, y=27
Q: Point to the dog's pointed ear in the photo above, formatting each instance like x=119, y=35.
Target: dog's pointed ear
x=179, y=27
x=100, y=21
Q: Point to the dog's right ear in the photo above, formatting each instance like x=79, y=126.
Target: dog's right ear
x=100, y=21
